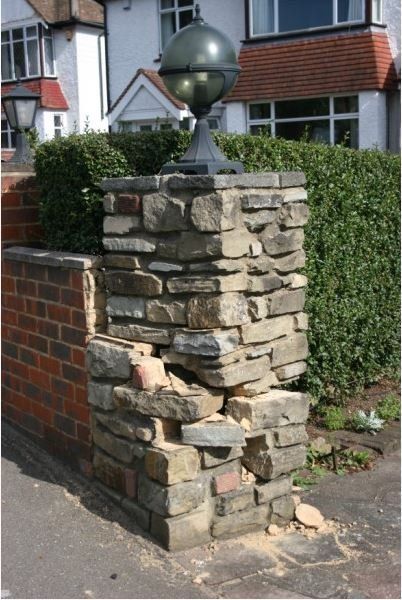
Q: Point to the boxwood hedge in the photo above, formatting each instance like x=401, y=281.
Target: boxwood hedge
x=352, y=239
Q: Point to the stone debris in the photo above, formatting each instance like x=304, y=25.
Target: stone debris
x=309, y=516
x=204, y=317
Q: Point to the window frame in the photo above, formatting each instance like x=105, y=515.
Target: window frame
x=41, y=34
x=335, y=23
x=175, y=9
x=60, y=127
x=47, y=33
x=331, y=117
x=9, y=133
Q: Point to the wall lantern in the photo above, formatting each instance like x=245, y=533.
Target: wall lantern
x=199, y=66
x=20, y=106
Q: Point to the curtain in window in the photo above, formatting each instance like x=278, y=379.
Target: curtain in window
x=263, y=16
x=355, y=10
x=168, y=25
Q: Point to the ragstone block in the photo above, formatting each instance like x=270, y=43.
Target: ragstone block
x=242, y=522
x=134, y=331
x=281, y=242
x=120, y=225
x=162, y=213
x=106, y=360
x=184, y=531
x=273, y=489
x=218, y=434
x=101, y=395
x=272, y=463
x=235, y=501
x=223, y=310
x=135, y=283
x=109, y=470
x=206, y=342
x=290, y=349
x=236, y=373
x=216, y=212
x=283, y=510
x=122, y=306
x=124, y=450
x=172, y=465
x=167, y=311
x=141, y=515
x=138, y=243
x=229, y=244
x=169, y=501
x=207, y=283
x=212, y=457
x=284, y=302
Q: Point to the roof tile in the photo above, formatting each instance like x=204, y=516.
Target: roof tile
x=50, y=90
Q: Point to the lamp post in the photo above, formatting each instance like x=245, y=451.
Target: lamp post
x=199, y=66
x=20, y=106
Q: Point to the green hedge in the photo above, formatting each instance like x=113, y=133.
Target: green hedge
x=352, y=240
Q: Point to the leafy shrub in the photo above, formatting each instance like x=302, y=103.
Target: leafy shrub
x=352, y=238
x=389, y=408
x=68, y=173
x=334, y=418
x=366, y=422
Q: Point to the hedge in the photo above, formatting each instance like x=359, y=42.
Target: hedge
x=352, y=239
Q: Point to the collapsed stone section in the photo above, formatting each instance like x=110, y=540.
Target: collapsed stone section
x=205, y=322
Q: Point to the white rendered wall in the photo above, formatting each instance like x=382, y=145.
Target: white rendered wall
x=89, y=80
x=235, y=117
x=133, y=40
x=392, y=18
x=16, y=10
x=65, y=48
x=373, y=120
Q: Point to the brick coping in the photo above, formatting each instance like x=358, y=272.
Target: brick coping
x=53, y=259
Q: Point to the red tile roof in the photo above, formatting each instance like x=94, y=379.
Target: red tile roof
x=158, y=83
x=50, y=90
x=314, y=67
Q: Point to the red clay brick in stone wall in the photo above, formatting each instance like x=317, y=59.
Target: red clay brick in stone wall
x=48, y=318
x=19, y=207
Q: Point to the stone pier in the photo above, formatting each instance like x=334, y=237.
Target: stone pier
x=191, y=426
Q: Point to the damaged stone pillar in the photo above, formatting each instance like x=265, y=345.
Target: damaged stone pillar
x=191, y=428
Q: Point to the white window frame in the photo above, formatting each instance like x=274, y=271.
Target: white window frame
x=48, y=33
x=61, y=127
x=25, y=39
x=276, y=31
x=175, y=9
x=9, y=132
x=376, y=7
x=331, y=117
x=135, y=126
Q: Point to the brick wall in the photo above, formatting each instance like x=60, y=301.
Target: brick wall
x=20, y=196
x=52, y=304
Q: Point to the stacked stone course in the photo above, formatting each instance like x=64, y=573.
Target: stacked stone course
x=205, y=323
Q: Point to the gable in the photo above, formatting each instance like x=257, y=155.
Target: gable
x=17, y=11
x=144, y=105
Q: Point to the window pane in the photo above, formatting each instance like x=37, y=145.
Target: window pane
x=31, y=31
x=263, y=16
x=19, y=60
x=317, y=131
x=311, y=107
x=167, y=4
x=5, y=36
x=6, y=62
x=376, y=11
x=260, y=111
x=57, y=121
x=166, y=126
x=17, y=34
x=295, y=14
x=346, y=104
x=57, y=133
x=347, y=132
x=185, y=3
x=145, y=127
x=350, y=10
x=260, y=129
x=184, y=124
x=33, y=57
x=13, y=138
x=4, y=139
x=168, y=22
x=185, y=18
x=49, y=57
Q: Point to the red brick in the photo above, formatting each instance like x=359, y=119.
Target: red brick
x=83, y=433
x=13, y=302
x=39, y=343
x=12, y=233
x=7, y=285
x=62, y=388
x=48, y=329
x=29, y=357
x=77, y=280
x=26, y=287
x=64, y=424
x=50, y=365
x=37, y=272
x=31, y=423
x=9, y=380
x=50, y=292
x=40, y=378
x=9, y=349
x=129, y=203
x=59, y=276
x=15, y=216
x=35, y=307
x=12, y=267
x=72, y=336
x=78, y=448
x=42, y=413
x=79, y=319
x=11, y=200
x=61, y=314
x=78, y=412
x=19, y=400
x=79, y=357
x=73, y=298
x=31, y=391
x=15, y=367
x=15, y=335
x=131, y=482
x=27, y=322
x=226, y=482
x=81, y=395
x=60, y=351
x=9, y=317
x=75, y=374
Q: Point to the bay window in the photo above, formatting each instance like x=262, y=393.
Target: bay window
x=21, y=49
x=330, y=120
x=174, y=15
x=278, y=16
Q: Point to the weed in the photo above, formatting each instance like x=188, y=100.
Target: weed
x=334, y=418
x=389, y=408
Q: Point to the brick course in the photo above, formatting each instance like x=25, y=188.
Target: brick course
x=44, y=377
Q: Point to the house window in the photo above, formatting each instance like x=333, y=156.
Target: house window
x=58, y=125
x=376, y=11
x=20, y=53
x=333, y=120
x=174, y=15
x=8, y=135
x=277, y=16
x=48, y=52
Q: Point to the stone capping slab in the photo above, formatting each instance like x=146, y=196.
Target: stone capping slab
x=49, y=258
x=205, y=182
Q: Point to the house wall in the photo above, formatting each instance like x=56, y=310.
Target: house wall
x=65, y=47
x=392, y=18
x=373, y=120
x=16, y=11
x=129, y=28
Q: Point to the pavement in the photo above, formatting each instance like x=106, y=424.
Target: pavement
x=62, y=538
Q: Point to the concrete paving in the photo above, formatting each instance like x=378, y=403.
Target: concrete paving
x=61, y=538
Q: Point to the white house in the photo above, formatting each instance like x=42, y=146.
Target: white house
x=330, y=68
x=56, y=48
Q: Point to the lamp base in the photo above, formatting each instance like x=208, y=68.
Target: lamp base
x=23, y=153
x=202, y=168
